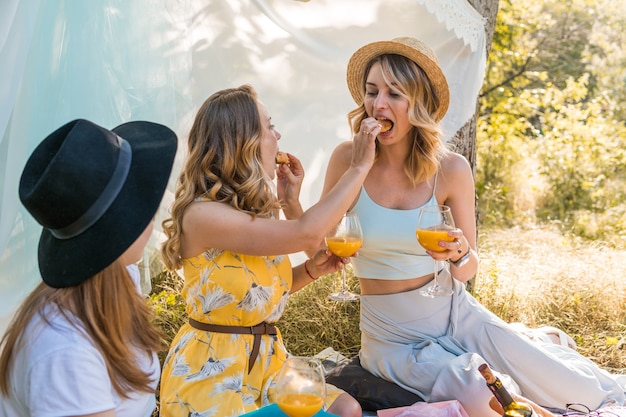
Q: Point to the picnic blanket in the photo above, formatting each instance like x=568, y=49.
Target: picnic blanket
x=273, y=410
x=439, y=409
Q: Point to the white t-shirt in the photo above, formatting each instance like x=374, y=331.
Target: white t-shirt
x=59, y=372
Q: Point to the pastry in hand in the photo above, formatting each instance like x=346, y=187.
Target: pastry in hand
x=385, y=125
x=282, y=158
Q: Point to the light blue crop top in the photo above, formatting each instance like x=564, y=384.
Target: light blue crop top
x=390, y=248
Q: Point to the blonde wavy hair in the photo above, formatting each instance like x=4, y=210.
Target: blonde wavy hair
x=223, y=164
x=413, y=84
x=111, y=313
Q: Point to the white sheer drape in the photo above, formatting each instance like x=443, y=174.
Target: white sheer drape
x=113, y=60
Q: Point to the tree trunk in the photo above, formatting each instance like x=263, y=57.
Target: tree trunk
x=464, y=141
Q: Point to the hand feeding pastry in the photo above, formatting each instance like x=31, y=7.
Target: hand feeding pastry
x=282, y=158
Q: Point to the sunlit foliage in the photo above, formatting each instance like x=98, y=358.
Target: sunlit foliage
x=551, y=129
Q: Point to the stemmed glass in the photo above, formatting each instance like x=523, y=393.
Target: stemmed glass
x=344, y=241
x=300, y=386
x=433, y=225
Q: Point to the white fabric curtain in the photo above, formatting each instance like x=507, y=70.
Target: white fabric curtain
x=111, y=61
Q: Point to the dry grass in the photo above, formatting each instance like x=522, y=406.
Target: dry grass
x=535, y=276
x=541, y=277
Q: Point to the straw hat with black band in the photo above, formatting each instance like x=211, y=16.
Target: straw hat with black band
x=413, y=49
x=94, y=191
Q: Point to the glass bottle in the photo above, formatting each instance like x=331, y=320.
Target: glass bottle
x=511, y=407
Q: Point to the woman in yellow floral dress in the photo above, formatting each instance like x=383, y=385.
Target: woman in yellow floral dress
x=226, y=235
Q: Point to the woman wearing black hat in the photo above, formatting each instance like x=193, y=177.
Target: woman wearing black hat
x=226, y=235
x=82, y=343
x=433, y=345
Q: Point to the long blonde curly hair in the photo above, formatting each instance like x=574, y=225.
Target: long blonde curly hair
x=413, y=84
x=223, y=165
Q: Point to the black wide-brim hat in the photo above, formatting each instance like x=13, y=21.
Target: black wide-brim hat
x=94, y=191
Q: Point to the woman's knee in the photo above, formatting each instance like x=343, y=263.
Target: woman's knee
x=346, y=406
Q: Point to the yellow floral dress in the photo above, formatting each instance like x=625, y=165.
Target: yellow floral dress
x=206, y=373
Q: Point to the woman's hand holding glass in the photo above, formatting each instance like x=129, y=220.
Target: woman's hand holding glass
x=344, y=241
x=325, y=262
x=435, y=225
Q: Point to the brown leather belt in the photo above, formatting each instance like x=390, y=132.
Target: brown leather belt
x=257, y=331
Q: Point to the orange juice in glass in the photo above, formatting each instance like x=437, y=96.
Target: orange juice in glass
x=430, y=237
x=344, y=241
x=300, y=405
x=433, y=225
x=300, y=386
x=343, y=246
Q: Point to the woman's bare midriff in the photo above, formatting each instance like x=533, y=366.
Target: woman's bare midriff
x=371, y=286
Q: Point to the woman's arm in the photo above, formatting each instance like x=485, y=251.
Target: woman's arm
x=338, y=164
x=217, y=225
x=321, y=263
x=457, y=183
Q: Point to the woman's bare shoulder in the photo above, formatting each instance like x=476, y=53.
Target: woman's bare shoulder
x=343, y=153
x=201, y=214
x=339, y=162
x=210, y=224
x=454, y=163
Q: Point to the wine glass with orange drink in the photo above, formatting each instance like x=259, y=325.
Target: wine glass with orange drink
x=433, y=225
x=300, y=386
x=344, y=241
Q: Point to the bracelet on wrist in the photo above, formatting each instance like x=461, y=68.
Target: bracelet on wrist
x=307, y=270
x=462, y=260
